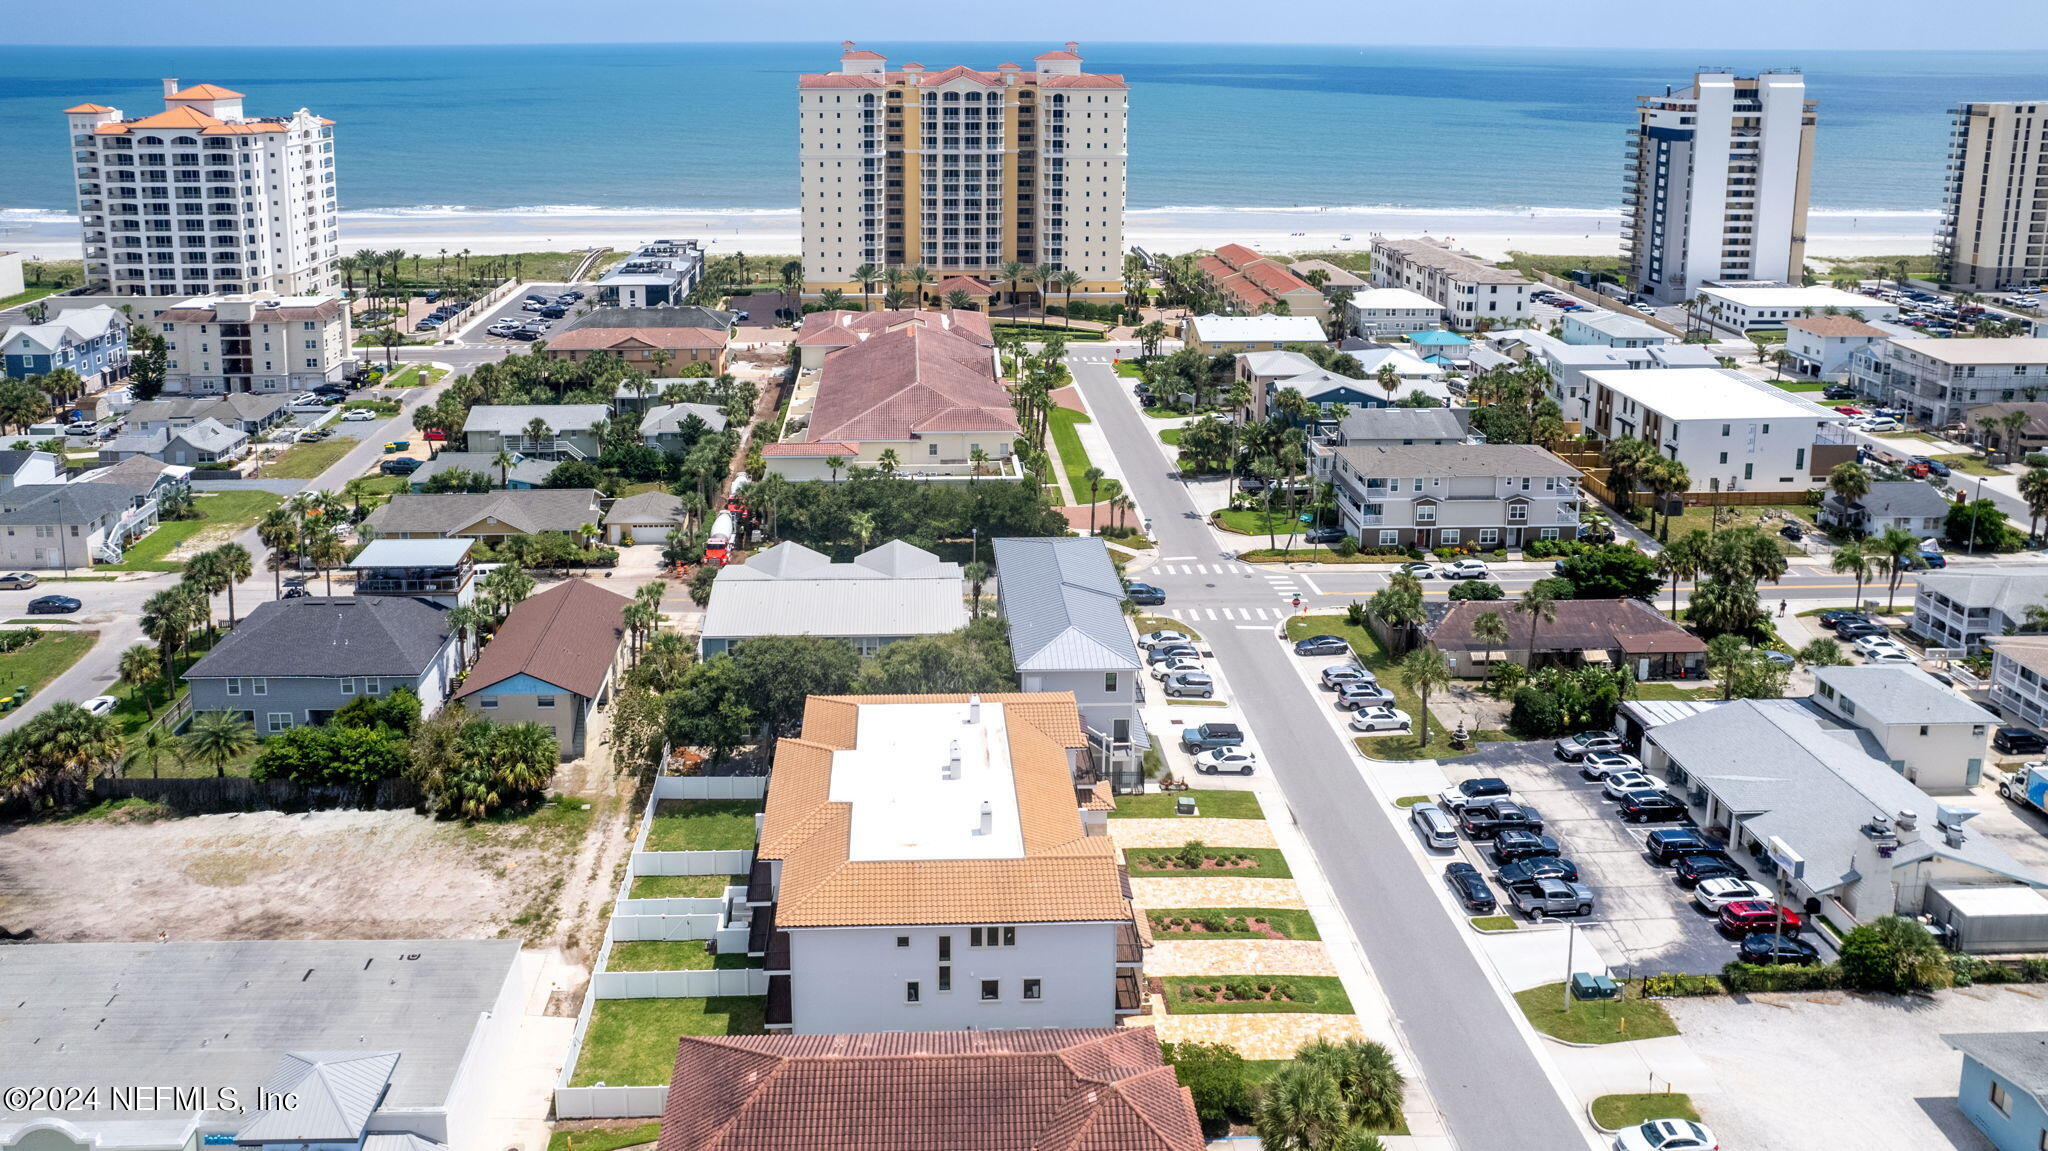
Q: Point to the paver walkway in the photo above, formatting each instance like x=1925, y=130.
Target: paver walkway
x=1275, y=1035
x=1215, y=893
x=1238, y=957
x=1174, y=832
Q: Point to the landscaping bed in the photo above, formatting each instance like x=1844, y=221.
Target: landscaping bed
x=1595, y=1020
x=1249, y=994
x=1615, y=1112
x=1495, y=923
x=672, y=955
x=1250, y=862
x=1214, y=804
x=683, y=886
x=703, y=825
x=1317, y=555
x=1151, y=623
x=602, y=1138
x=632, y=1042
x=1231, y=923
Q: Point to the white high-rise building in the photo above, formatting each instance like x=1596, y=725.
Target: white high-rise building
x=201, y=199
x=1718, y=176
x=1994, y=226
x=959, y=172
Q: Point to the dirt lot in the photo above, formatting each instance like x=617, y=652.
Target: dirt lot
x=267, y=875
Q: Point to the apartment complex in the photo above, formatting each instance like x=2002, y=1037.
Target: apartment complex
x=1569, y=364
x=1724, y=427
x=255, y=343
x=1938, y=381
x=1477, y=495
x=959, y=171
x=931, y=863
x=1717, y=183
x=203, y=199
x=2019, y=677
x=1250, y=283
x=1964, y=609
x=1471, y=290
x=1992, y=230
x=92, y=342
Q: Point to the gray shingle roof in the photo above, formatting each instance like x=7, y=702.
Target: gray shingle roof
x=64, y=503
x=523, y=470
x=646, y=508
x=1454, y=460
x=210, y=435
x=337, y=1092
x=1892, y=498
x=523, y=510
x=142, y=443
x=1900, y=695
x=330, y=636
x=1064, y=604
x=2018, y=1057
x=663, y=419
x=1396, y=424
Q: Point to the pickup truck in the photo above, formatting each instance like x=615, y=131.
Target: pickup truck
x=2027, y=786
x=1551, y=897
x=1210, y=736
x=1484, y=819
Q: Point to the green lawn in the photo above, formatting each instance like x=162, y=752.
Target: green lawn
x=1615, y=1112
x=1800, y=385
x=1671, y=691
x=632, y=1042
x=703, y=825
x=1971, y=463
x=1256, y=521
x=386, y=408
x=1398, y=745
x=1411, y=800
x=1159, y=863
x=672, y=955
x=1170, y=436
x=1595, y=1020
x=25, y=297
x=1215, y=804
x=1318, y=554
x=1073, y=457
x=1130, y=369
x=1036, y=331
x=50, y=655
x=1151, y=623
x=414, y=376
x=308, y=461
x=1699, y=519
x=603, y=1138
x=1292, y=923
x=683, y=886
x=1495, y=922
x=1246, y=994
x=221, y=514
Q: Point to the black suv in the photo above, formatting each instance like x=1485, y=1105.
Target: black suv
x=1145, y=595
x=1768, y=948
x=1470, y=887
x=1488, y=818
x=2019, y=741
x=1651, y=807
x=1672, y=844
x=1512, y=846
x=1691, y=869
x=400, y=466
x=1538, y=867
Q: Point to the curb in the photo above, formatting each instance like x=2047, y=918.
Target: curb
x=1596, y=1122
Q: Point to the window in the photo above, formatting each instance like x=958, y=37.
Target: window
x=489, y=703
x=1389, y=537
x=1031, y=989
x=1724, y=430
x=991, y=989
x=234, y=687
x=1748, y=471
x=1449, y=536
x=945, y=948
x=903, y=941
x=1426, y=514
x=2001, y=1098
x=992, y=937
x=1489, y=535
x=373, y=686
x=1109, y=681
x=259, y=686
x=1518, y=513
x=279, y=721
x=1923, y=730
x=544, y=701
x=910, y=992
x=348, y=687
x=945, y=977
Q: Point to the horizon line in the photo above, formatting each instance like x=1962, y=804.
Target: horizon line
x=1421, y=44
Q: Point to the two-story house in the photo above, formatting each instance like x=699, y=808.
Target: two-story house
x=45, y=526
x=27, y=467
x=1931, y=735
x=563, y=431
x=92, y=342
x=1907, y=504
x=1063, y=602
x=1465, y=495
x=1728, y=430
x=1959, y=609
x=293, y=662
x=929, y=863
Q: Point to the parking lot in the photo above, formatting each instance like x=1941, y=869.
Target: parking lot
x=513, y=307
x=1648, y=920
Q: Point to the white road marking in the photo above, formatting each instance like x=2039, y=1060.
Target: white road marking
x=1253, y=627
x=1312, y=585
x=1176, y=559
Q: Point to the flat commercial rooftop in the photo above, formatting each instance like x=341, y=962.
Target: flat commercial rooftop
x=221, y=1014
x=1787, y=296
x=1706, y=393
x=908, y=800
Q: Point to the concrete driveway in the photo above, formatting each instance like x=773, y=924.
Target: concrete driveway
x=1643, y=921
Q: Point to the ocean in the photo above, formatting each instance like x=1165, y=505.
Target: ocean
x=432, y=131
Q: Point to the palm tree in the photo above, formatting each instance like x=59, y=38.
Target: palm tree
x=1301, y=1108
x=1012, y=272
x=236, y=565
x=977, y=574
x=2034, y=490
x=218, y=737
x=1388, y=379
x=1850, y=482
x=922, y=279
x=1540, y=605
x=1899, y=551
x=142, y=666
x=1367, y=1079
x=60, y=750
x=1665, y=478
x=1069, y=279
x=167, y=620
x=977, y=461
x=152, y=749
x=1423, y=671
x=867, y=275
x=503, y=462
x=1094, y=476
x=1044, y=275
x=1853, y=559
x=835, y=463
x=205, y=574
x=888, y=462
x=1492, y=630
x=640, y=618
x=466, y=622
x=1682, y=561
x=862, y=524
x=327, y=552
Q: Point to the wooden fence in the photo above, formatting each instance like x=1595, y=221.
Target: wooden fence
x=235, y=793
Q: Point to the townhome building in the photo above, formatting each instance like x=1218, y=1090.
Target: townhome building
x=1960, y=609
x=1250, y=283
x=1938, y=381
x=1569, y=364
x=1472, y=291
x=890, y=592
x=255, y=343
x=1467, y=495
x=931, y=863
x=1931, y=735
x=93, y=342
x=1729, y=431
x=1214, y=335
x=1393, y=311
x=2019, y=677
x=1612, y=329
x=537, y=431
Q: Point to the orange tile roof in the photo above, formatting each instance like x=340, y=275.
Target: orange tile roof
x=862, y=55
x=1083, y=80
x=843, y=328
x=811, y=448
x=205, y=92
x=83, y=109
x=1254, y=281
x=968, y=284
x=177, y=118
x=1063, y=876
x=1055, y=56
x=1237, y=255
x=1835, y=326
x=993, y=79
x=910, y=378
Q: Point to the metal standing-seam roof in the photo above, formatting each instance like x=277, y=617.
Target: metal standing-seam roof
x=1064, y=604
x=1897, y=694
x=892, y=590
x=511, y=419
x=337, y=1092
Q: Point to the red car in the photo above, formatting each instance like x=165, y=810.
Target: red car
x=1847, y=410
x=436, y=434
x=1751, y=915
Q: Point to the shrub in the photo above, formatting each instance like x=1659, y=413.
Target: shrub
x=1670, y=985
x=1558, y=587
x=1346, y=547
x=1476, y=589
x=1214, y=1073
x=1355, y=614
x=1969, y=969
x=1536, y=714
x=1742, y=978
x=1190, y=854
x=1894, y=954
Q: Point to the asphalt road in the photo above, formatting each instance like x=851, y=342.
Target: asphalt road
x=1492, y=1090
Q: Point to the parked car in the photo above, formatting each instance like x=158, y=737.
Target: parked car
x=1179, y=663
x=1145, y=595
x=1890, y=655
x=1465, y=569
x=1835, y=618
x=1768, y=947
x=1235, y=760
x=1552, y=897
x=1652, y=807
x=1851, y=629
x=1418, y=569
x=1489, y=817
x=1620, y=783
x=1153, y=639
x=1456, y=796
x=1514, y=844
x=1380, y=719
x=1748, y=916
x=434, y=435
x=1933, y=560
x=399, y=466
x=53, y=605
x=358, y=416
x=100, y=704
x=1362, y=693
x=1338, y=674
x=1599, y=763
x=1327, y=535
x=2018, y=741
x=1693, y=870
x=1210, y=736
x=1160, y=655
x=1322, y=645
x=1669, y=845
x=1666, y=1135
x=16, y=581
x=1190, y=684
x=1938, y=468
x=1435, y=825
x=1715, y=894
x=1574, y=748
x=1540, y=867
x=1470, y=888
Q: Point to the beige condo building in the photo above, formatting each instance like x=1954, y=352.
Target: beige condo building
x=960, y=171
x=1994, y=224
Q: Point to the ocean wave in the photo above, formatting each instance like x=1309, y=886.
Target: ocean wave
x=1367, y=210
x=38, y=216
x=450, y=211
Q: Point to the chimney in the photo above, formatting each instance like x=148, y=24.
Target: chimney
x=988, y=820
x=170, y=86
x=974, y=709
x=1074, y=46
x=846, y=45
x=953, y=761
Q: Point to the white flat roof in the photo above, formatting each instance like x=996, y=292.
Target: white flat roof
x=1298, y=329
x=411, y=553
x=1983, y=899
x=1393, y=298
x=904, y=804
x=2005, y=350
x=1707, y=393
x=1818, y=296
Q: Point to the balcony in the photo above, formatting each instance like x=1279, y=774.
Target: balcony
x=778, y=1010
x=400, y=581
x=1130, y=949
x=1130, y=994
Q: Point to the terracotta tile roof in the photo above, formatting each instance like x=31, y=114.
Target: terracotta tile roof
x=593, y=338
x=1049, y=1090
x=862, y=55
x=1055, y=56
x=813, y=448
x=205, y=92
x=962, y=72
x=838, y=80
x=83, y=109
x=1254, y=281
x=177, y=118
x=1083, y=80
x=1231, y=283
x=1835, y=326
x=912, y=378
x=844, y=328
x=968, y=284
x=1237, y=255
x=1063, y=875
x=888, y=79
x=568, y=635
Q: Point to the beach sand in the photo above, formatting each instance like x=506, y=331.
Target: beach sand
x=1275, y=230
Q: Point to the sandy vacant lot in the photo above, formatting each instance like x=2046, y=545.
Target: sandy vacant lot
x=268, y=875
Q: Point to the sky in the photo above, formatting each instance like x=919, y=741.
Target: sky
x=1704, y=24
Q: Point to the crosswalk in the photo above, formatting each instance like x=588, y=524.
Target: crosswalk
x=1209, y=614
x=1226, y=568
